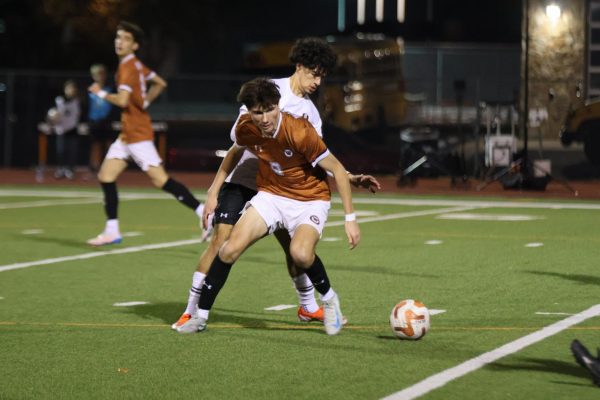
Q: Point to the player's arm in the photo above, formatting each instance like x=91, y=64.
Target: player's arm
x=157, y=86
x=330, y=163
x=227, y=165
x=119, y=99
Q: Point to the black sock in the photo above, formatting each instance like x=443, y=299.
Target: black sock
x=317, y=275
x=181, y=193
x=214, y=281
x=111, y=199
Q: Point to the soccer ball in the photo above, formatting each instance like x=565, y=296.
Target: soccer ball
x=409, y=320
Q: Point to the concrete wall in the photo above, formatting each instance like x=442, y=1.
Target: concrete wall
x=556, y=62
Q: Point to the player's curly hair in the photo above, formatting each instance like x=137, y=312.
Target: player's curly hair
x=259, y=92
x=313, y=53
x=135, y=30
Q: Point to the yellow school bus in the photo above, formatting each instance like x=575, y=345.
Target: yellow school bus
x=366, y=89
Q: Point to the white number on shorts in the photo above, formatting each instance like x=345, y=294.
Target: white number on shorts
x=276, y=167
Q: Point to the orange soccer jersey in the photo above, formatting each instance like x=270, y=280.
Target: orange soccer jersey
x=132, y=76
x=288, y=160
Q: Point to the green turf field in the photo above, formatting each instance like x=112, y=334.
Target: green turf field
x=500, y=271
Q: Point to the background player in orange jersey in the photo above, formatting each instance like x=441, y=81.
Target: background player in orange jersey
x=293, y=194
x=136, y=140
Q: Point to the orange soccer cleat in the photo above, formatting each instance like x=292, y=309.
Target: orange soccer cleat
x=182, y=320
x=305, y=316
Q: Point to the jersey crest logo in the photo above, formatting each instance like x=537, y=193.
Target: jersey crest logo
x=276, y=167
x=288, y=153
x=315, y=219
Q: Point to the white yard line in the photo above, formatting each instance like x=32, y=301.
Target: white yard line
x=444, y=377
x=136, y=249
x=46, y=203
x=528, y=203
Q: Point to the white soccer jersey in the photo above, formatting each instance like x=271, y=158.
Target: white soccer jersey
x=245, y=171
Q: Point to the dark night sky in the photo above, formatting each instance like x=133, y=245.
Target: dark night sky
x=207, y=36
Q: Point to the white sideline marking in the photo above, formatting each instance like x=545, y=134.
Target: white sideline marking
x=440, y=379
x=132, y=234
x=535, y=244
x=32, y=231
x=46, y=203
x=130, y=303
x=527, y=203
x=331, y=239
x=436, y=312
x=280, y=307
x=136, y=249
x=552, y=313
x=488, y=217
x=434, y=242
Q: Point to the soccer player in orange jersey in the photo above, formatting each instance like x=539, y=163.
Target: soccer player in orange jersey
x=136, y=140
x=313, y=59
x=293, y=194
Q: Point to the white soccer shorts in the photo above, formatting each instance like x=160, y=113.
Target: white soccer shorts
x=144, y=153
x=280, y=212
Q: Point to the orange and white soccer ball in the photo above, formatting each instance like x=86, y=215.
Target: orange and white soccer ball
x=410, y=320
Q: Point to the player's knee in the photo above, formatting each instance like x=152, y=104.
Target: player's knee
x=301, y=256
x=229, y=253
x=103, y=177
x=158, y=182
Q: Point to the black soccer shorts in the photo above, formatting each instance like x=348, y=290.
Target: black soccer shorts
x=232, y=199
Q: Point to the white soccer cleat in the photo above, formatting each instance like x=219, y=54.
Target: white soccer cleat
x=193, y=325
x=104, y=239
x=333, y=316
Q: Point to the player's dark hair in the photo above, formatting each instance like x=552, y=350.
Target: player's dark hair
x=135, y=30
x=260, y=92
x=313, y=53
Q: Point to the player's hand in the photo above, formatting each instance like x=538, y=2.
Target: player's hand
x=365, y=181
x=94, y=88
x=209, y=208
x=353, y=233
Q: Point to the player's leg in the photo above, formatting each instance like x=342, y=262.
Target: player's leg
x=305, y=222
x=230, y=203
x=308, y=309
x=250, y=228
x=302, y=250
x=112, y=166
x=146, y=157
x=220, y=235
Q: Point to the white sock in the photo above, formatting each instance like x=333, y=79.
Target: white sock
x=203, y=313
x=328, y=296
x=197, y=280
x=199, y=210
x=306, y=293
x=112, y=227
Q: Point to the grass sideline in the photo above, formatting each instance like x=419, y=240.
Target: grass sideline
x=63, y=338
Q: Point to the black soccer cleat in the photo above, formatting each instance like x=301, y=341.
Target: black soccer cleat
x=586, y=360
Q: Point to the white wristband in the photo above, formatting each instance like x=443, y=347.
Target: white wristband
x=350, y=217
x=102, y=94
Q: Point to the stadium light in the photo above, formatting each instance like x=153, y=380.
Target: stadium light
x=379, y=10
x=360, y=11
x=401, y=11
x=553, y=12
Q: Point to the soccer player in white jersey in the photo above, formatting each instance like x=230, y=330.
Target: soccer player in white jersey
x=293, y=194
x=313, y=58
